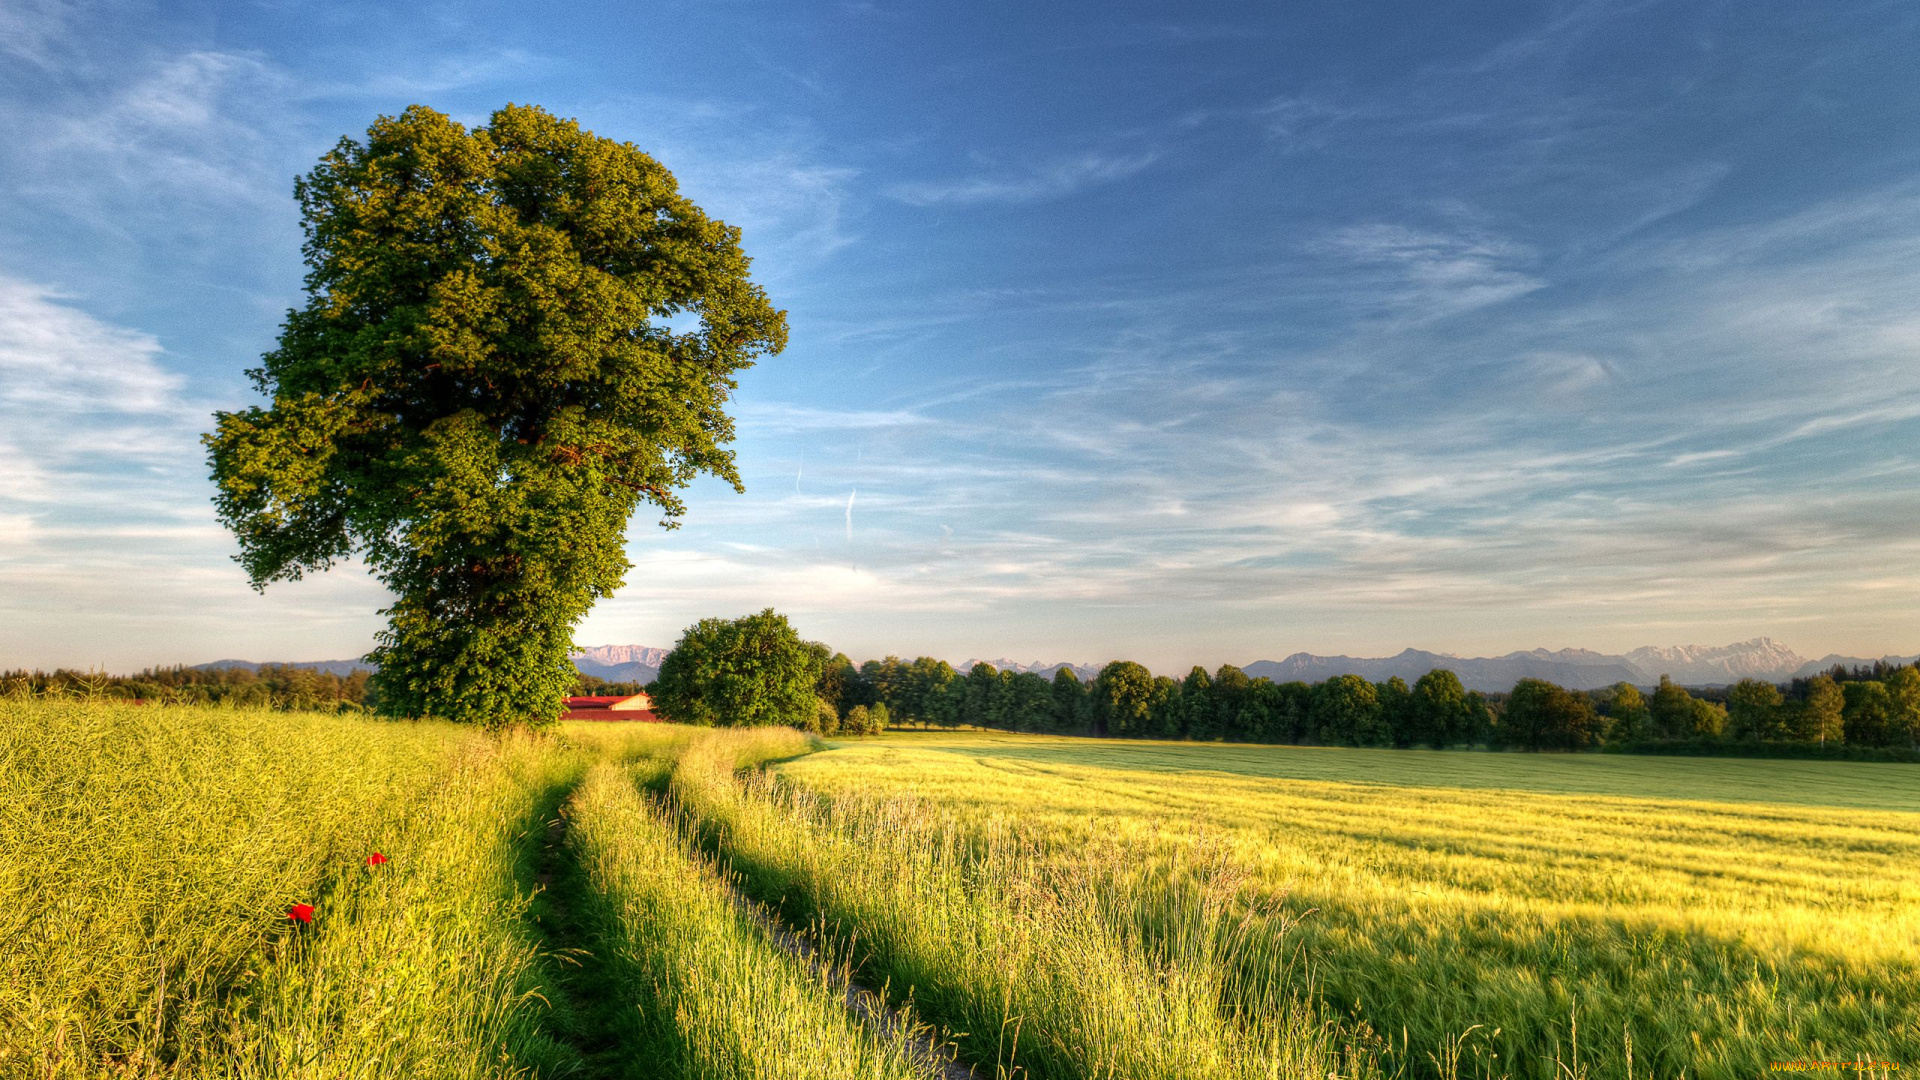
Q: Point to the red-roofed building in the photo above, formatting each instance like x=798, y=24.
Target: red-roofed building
x=638, y=707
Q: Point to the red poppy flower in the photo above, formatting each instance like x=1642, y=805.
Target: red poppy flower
x=376, y=859
x=301, y=913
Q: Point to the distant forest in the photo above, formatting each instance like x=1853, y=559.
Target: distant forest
x=276, y=686
x=1868, y=713
x=1861, y=713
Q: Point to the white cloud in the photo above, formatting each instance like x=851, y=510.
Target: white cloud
x=777, y=416
x=1431, y=274
x=1053, y=180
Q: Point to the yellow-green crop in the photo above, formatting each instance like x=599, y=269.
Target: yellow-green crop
x=148, y=858
x=704, y=992
x=1074, y=966
x=1585, y=909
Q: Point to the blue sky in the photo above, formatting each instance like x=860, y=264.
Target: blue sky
x=1183, y=332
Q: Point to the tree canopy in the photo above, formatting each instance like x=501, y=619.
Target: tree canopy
x=487, y=379
x=746, y=672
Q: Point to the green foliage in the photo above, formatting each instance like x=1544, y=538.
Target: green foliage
x=839, y=679
x=981, y=692
x=1071, y=704
x=747, y=672
x=1629, y=719
x=1672, y=710
x=865, y=720
x=1753, y=711
x=1345, y=711
x=1196, y=704
x=1439, y=713
x=826, y=718
x=1396, y=712
x=1709, y=719
x=1821, y=712
x=1123, y=699
x=482, y=388
x=1868, y=714
x=1542, y=716
x=276, y=686
x=1903, y=696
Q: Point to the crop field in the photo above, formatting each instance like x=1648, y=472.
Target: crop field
x=1705, y=917
x=239, y=893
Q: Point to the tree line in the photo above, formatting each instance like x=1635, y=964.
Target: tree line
x=757, y=670
x=277, y=686
x=1813, y=716
x=273, y=686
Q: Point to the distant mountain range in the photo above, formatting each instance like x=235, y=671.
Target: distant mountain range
x=614, y=663
x=342, y=668
x=1046, y=671
x=619, y=663
x=1579, y=669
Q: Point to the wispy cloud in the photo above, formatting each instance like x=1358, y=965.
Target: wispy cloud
x=106, y=511
x=773, y=416
x=1053, y=180
x=1431, y=274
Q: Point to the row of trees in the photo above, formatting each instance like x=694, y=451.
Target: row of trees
x=272, y=686
x=757, y=670
x=1127, y=701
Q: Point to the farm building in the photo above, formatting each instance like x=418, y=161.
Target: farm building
x=638, y=707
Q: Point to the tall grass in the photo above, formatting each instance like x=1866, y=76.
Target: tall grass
x=148, y=857
x=428, y=965
x=1666, y=936
x=1073, y=968
x=702, y=992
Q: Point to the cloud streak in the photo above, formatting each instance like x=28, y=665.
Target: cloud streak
x=1054, y=180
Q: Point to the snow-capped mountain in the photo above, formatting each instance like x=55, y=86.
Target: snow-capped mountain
x=1702, y=665
x=619, y=663
x=1575, y=668
x=1085, y=671
x=1579, y=669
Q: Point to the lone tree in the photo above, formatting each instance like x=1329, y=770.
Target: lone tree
x=745, y=672
x=487, y=380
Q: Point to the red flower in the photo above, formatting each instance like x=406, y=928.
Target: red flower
x=301, y=913
x=376, y=859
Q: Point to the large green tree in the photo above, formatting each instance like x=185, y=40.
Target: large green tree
x=1753, y=710
x=1440, y=710
x=1672, y=710
x=1629, y=719
x=1345, y=711
x=1124, y=695
x=1543, y=716
x=514, y=336
x=746, y=672
x=1821, y=712
x=1867, y=717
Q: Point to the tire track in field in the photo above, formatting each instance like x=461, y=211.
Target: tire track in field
x=587, y=1002
x=588, y=1020
x=866, y=1006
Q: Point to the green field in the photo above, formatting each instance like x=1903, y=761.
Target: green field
x=1720, y=914
x=569, y=905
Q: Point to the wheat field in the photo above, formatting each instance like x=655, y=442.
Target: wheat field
x=1693, y=917
x=604, y=901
